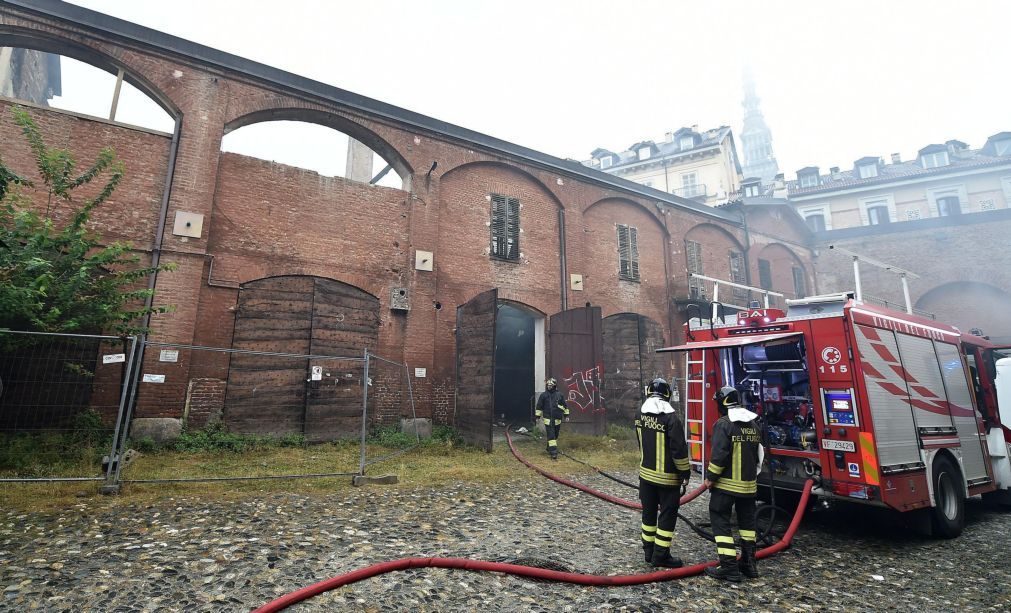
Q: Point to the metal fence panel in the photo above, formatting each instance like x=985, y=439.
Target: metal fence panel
x=61, y=399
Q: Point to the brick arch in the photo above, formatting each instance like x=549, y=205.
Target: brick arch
x=334, y=121
x=12, y=36
x=471, y=166
x=782, y=260
x=627, y=201
x=706, y=226
x=368, y=285
x=970, y=304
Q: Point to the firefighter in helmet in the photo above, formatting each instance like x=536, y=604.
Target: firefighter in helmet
x=732, y=480
x=664, y=472
x=552, y=409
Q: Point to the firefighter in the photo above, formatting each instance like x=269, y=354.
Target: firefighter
x=551, y=408
x=732, y=481
x=664, y=472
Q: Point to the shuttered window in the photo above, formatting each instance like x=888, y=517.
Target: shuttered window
x=628, y=253
x=696, y=289
x=737, y=274
x=799, y=286
x=505, y=227
x=765, y=274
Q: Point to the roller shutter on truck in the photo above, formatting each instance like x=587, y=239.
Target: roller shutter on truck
x=894, y=427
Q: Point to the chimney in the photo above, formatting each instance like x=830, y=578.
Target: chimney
x=779, y=180
x=896, y=158
x=695, y=127
x=669, y=137
x=835, y=173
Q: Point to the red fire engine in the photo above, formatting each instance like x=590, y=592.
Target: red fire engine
x=881, y=407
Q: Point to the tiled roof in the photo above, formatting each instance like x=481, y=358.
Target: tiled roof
x=707, y=139
x=887, y=173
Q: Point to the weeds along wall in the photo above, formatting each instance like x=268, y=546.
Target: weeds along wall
x=289, y=261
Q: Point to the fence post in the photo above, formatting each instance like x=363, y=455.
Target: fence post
x=365, y=408
x=111, y=485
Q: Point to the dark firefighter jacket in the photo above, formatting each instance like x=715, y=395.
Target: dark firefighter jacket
x=663, y=452
x=733, y=461
x=551, y=405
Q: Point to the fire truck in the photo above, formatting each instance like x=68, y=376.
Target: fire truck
x=880, y=407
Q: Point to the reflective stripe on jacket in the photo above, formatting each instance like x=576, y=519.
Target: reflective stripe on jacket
x=663, y=453
x=733, y=462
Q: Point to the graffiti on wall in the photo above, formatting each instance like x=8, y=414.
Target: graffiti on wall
x=583, y=390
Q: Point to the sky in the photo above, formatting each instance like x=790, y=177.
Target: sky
x=838, y=81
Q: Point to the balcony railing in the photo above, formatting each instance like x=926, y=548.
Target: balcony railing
x=691, y=191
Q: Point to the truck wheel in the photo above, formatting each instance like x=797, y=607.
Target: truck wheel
x=949, y=500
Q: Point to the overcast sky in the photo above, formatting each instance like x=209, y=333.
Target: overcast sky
x=838, y=81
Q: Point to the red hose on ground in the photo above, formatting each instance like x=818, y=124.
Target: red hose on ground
x=528, y=571
x=629, y=504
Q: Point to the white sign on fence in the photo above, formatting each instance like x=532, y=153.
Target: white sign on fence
x=169, y=355
x=317, y=373
x=113, y=358
x=154, y=378
x=420, y=373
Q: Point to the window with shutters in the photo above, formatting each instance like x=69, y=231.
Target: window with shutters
x=737, y=274
x=628, y=253
x=799, y=286
x=764, y=274
x=696, y=289
x=505, y=227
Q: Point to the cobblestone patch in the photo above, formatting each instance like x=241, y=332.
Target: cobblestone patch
x=193, y=555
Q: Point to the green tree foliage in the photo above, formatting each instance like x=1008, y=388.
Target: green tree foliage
x=60, y=277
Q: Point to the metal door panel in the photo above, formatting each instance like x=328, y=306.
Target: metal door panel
x=475, y=368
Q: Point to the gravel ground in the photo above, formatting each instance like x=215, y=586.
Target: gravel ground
x=193, y=555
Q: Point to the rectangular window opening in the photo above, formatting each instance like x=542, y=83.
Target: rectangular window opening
x=696, y=288
x=628, y=253
x=505, y=227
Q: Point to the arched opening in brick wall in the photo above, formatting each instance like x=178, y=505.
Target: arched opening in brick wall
x=48, y=72
x=712, y=251
x=323, y=143
x=781, y=270
x=319, y=397
x=519, y=360
x=971, y=304
x=630, y=362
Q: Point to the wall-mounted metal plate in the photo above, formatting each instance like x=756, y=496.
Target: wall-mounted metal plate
x=576, y=282
x=188, y=224
x=423, y=260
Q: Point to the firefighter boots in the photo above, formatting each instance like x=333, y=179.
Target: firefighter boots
x=727, y=570
x=748, y=564
x=662, y=557
x=647, y=548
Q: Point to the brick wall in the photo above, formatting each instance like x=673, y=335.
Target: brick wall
x=263, y=219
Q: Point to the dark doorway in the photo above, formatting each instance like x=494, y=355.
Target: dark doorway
x=514, y=364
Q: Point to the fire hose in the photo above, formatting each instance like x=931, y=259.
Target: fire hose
x=519, y=570
x=764, y=535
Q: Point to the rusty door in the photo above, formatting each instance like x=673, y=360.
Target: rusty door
x=576, y=342
x=475, y=368
x=299, y=316
x=630, y=362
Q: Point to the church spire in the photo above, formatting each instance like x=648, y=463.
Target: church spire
x=756, y=139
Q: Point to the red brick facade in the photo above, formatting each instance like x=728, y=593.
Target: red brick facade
x=263, y=219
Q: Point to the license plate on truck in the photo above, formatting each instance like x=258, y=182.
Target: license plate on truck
x=833, y=445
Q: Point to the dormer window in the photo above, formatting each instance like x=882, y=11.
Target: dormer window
x=936, y=159
x=644, y=153
x=686, y=142
x=868, y=171
x=1003, y=147
x=606, y=161
x=751, y=191
x=808, y=177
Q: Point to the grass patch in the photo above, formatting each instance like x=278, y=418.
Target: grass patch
x=441, y=460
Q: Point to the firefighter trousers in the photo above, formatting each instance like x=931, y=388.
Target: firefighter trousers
x=720, y=506
x=658, y=528
x=552, y=428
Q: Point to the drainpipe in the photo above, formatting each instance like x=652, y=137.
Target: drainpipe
x=747, y=248
x=561, y=257
x=156, y=257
